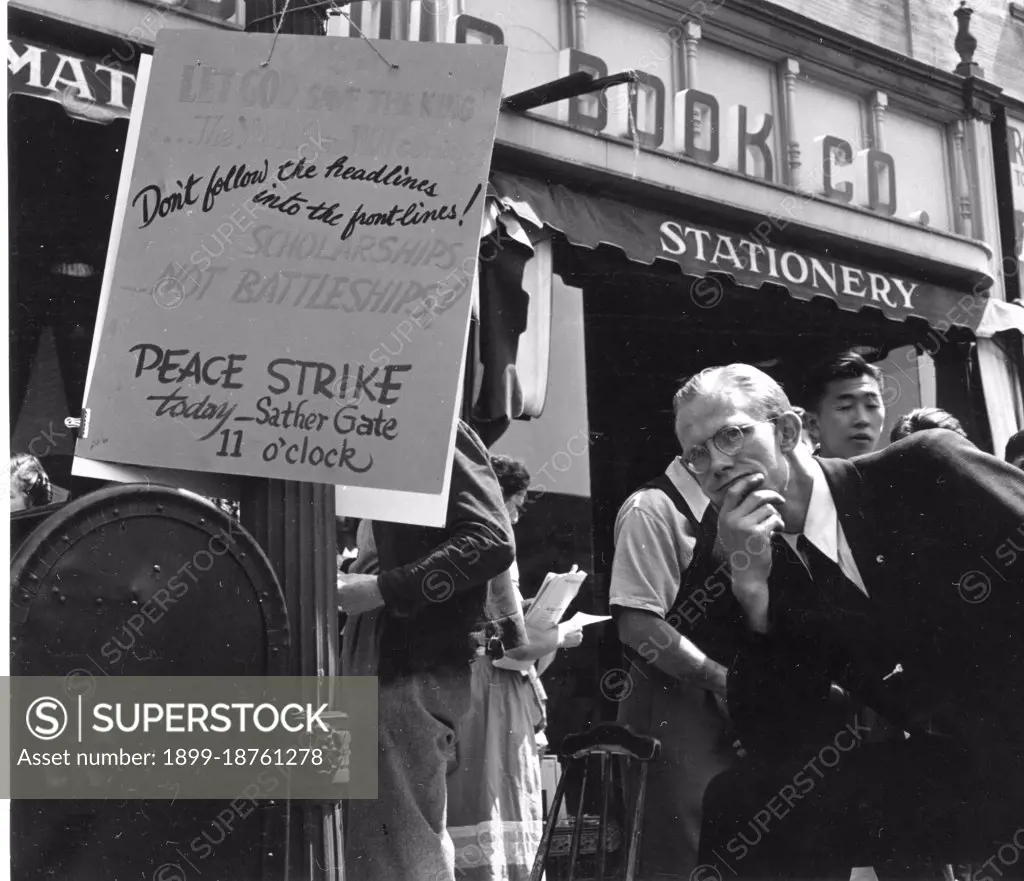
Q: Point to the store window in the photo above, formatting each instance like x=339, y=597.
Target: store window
x=826, y=112
x=918, y=148
x=647, y=46
x=908, y=176
x=738, y=80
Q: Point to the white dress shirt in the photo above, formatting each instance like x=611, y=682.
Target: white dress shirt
x=822, y=529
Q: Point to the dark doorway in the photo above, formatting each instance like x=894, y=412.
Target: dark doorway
x=63, y=185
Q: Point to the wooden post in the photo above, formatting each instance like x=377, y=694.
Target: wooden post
x=432, y=27
x=294, y=524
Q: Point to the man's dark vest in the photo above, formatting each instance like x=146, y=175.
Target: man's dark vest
x=705, y=610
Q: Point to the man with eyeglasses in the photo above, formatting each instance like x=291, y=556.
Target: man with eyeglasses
x=679, y=624
x=889, y=576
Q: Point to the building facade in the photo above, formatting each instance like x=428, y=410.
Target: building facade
x=771, y=181
x=766, y=187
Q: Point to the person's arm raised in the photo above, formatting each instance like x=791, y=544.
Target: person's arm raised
x=746, y=521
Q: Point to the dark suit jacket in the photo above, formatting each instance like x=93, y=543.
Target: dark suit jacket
x=936, y=527
x=444, y=594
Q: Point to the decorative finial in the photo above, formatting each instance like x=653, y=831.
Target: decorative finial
x=966, y=43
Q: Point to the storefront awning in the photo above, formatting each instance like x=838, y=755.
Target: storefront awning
x=1001, y=316
x=750, y=258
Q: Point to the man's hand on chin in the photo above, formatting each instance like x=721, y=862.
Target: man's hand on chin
x=746, y=521
x=358, y=593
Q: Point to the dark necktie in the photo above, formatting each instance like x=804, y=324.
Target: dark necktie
x=707, y=534
x=835, y=589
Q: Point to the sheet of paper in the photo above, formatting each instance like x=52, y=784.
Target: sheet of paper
x=583, y=619
x=546, y=610
x=554, y=598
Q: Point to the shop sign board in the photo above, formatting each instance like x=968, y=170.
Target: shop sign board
x=1015, y=139
x=751, y=259
x=231, y=11
x=43, y=71
x=136, y=22
x=696, y=123
x=339, y=364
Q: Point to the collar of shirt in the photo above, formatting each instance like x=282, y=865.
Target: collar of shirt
x=823, y=530
x=687, y=484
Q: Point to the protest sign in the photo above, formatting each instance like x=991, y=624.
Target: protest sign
x=290, y=293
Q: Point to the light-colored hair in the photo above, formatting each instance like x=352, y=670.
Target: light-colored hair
x=764, y=395
x=29, y=478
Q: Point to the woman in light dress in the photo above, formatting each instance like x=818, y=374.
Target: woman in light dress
x=494, y=794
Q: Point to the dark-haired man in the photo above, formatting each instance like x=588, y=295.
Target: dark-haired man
x=844, y=407
x=434, y=605
x=876, y=580
x=922, y=419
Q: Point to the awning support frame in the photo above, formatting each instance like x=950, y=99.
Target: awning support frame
x=571, y=86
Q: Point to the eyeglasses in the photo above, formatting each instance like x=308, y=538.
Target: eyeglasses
x=728, y=440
